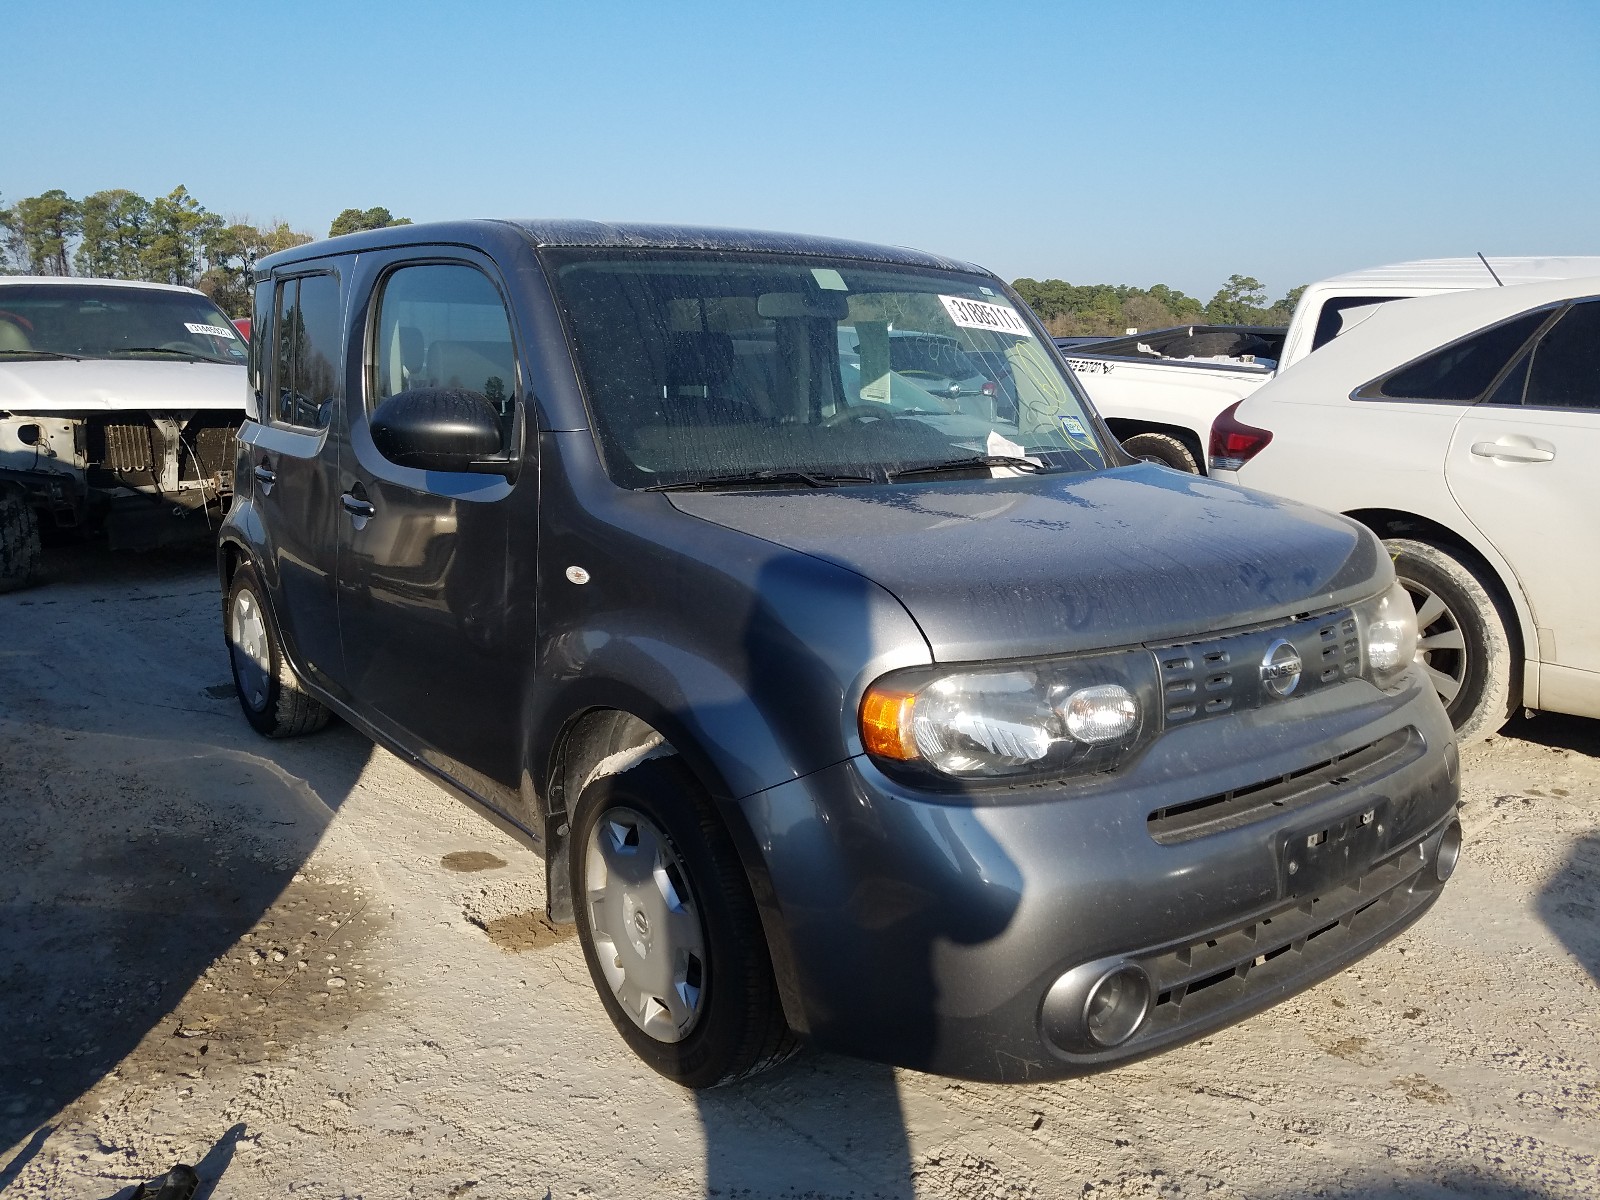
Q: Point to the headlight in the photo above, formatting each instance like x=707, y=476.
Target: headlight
x=1036, y=719
x=1388, y=624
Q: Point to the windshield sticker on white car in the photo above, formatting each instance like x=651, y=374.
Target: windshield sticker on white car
x=981, y=314
x=829, y=280
x=209, y=330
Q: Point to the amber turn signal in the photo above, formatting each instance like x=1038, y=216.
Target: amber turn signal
x=886, y=724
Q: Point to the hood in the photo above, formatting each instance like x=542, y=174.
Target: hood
x=1052, y=564
x=120, y=385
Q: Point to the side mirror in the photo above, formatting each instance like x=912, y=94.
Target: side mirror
x=439, y=429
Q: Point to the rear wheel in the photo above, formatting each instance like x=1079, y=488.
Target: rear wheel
x=1462, y=642
x=20, y=553
x=1162, y=448
x=274, y=701
x=670, y=931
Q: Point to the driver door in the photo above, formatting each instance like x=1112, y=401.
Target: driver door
x=423, y=554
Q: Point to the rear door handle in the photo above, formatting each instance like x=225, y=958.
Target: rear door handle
x=265, y=476
x=1514, y=449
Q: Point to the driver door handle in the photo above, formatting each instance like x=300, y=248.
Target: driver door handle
x=356, y=506
x=1514, y=449
x=265, y=475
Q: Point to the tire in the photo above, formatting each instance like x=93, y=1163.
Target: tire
x=21, y=555
x=270, y=693
x=1464, y=644
x=1162, y=448
x=670, y=931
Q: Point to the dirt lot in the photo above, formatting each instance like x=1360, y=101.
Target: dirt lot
x=306, y=968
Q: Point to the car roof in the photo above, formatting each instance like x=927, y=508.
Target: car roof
x=1453, y=273
x=1402, y=330
x=78, y=281
x=552, y=233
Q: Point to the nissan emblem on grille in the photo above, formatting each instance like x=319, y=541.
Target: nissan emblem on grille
x=1280, y=668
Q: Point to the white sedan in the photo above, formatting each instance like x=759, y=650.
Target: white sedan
x=1464, y=429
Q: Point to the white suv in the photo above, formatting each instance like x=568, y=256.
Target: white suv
x=1465, y=430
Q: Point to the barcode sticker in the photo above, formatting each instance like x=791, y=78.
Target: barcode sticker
x=981, y=314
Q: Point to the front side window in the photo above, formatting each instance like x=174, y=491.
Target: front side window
x=71, y=320
x=1462, y=371
x=444, y=325
x=1565, y=367
x=308, y=340
x=706, y=369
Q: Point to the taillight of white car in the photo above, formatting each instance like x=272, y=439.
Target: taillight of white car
x=1233, y=443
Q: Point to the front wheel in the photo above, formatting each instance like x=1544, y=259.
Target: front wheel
x=274, y=701
x=670, y=930
x=20, y=553
x=1162, y=448
x=1462, y=645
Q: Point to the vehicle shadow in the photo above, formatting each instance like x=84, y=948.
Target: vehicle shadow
x=1569, y=903
x=153, y=831
x=1464, y=1184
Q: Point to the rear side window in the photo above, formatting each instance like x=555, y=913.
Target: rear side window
x=1565, y=367
x=1462, y=371
x=309, y=335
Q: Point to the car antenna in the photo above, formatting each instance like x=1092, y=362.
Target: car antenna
x=1500, y=282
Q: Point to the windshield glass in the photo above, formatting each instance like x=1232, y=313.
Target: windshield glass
x=96, y=321
x=702, y=366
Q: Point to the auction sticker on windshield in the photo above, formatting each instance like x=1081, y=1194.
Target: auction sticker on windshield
x=209, y=330
x=979, y=314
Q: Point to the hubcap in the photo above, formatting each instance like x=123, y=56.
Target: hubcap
x=646, y=930
x=1441, y=646
x=247, y=644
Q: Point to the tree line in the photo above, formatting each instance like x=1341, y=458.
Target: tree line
x=1080, y=309
x=119, y=234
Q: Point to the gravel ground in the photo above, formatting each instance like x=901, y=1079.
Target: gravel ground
x=307, y=969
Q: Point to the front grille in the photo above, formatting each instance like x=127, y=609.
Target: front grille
x=1193, y=819
x=1221, y=675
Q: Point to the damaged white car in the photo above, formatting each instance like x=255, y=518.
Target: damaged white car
x=118, y=406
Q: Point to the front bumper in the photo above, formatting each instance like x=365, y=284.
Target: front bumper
x=1236, y=863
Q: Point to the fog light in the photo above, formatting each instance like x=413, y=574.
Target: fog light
x=1097, y=1006
x=1449, y=852
x=1100, y=714
x=1117, y=1006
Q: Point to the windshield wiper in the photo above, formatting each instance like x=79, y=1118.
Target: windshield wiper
x=805, y=478
x=972, y=463
x=193, y=355
x=42, y=354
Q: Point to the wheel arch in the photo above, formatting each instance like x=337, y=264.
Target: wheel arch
x=1495, y=573
x=601, y=738
x=1126, y=427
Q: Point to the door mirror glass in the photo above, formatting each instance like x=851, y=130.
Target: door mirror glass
x=439, y=429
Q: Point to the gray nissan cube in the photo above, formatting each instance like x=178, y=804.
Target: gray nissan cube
x=923, y=726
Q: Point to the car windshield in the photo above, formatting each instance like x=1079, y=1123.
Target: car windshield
x=738, y=369
x=67, y=320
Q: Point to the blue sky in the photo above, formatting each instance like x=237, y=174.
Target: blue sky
x=1130, y=143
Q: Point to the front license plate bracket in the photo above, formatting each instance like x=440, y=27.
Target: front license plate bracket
x=1317, y=858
